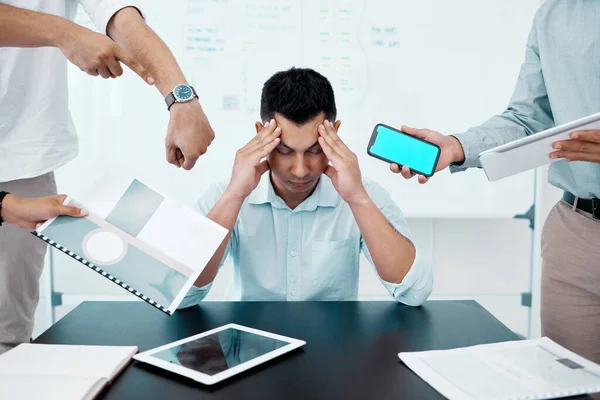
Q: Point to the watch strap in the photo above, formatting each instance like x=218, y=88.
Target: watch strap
x=170, y=100
x=2, y=196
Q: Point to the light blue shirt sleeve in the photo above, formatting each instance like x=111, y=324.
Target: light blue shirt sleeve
x=417, y=285
x=528, y=112
x=205, y=204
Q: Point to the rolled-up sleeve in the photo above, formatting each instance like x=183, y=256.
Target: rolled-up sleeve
x=205, y=204
x=529, y=111
x=101, y=11
x=417, y=285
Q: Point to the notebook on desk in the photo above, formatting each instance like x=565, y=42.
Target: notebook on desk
x=60, y=372
x=523, y=370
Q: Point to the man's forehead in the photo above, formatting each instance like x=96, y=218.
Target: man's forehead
x=299, y=137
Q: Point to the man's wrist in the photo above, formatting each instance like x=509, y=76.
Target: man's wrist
x=184, y=105
x=458, y=153
x=232, y=196
x=360, y=199
x=7, y=205
x=61, y=31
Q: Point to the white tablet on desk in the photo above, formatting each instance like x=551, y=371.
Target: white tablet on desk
x=532, y=151
x=218, y=354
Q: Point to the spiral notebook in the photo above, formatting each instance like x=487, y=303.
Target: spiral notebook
x=522, y=370
x=152, y=246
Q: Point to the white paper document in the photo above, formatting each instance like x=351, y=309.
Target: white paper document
x=150, y=245
x=527, y=369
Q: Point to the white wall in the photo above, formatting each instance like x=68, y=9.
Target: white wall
x=465, y=229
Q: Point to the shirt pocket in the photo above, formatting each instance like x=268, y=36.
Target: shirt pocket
x=334, y=269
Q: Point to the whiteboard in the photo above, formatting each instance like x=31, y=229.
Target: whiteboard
x=444, y=65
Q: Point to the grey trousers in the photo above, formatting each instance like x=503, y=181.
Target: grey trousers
x=21, y=263
x=570, y=306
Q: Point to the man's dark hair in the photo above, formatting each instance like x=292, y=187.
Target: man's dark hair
x=299, y=95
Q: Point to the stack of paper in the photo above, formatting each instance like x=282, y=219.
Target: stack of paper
x=528, y=370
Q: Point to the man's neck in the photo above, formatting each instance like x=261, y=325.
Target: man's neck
x=290, y=199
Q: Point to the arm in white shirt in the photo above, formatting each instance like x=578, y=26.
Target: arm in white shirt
x=92, y=52
x=189, y=133
x=203, y=284
x=386, y=243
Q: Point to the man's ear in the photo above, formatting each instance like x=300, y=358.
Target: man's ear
x=337, y=125
x=258, y=126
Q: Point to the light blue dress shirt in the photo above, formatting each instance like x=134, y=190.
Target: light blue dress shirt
x=559, y=82
x=309, y=253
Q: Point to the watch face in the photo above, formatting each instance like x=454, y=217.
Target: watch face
x=183, y=92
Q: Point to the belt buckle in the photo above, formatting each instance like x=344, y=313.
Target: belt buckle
x=596, y=208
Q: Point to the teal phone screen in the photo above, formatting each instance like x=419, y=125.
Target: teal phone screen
x=404, y=149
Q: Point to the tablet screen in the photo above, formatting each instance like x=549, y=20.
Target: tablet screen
x=220, y=351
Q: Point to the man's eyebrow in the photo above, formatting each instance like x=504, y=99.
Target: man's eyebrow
x=281, y=144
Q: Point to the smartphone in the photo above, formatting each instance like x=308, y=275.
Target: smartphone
x=394, y=146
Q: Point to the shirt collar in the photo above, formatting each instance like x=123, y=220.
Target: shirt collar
x=324, y=195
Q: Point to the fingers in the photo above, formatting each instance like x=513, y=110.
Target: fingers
x=327, y=131
x=188, y=160
x=576, y=156
x=63, y=209
x=265, y=142
x=329, y=152
x=71, y=211
x=179, y=157
x=172, y=156
x=265, y=135
x=103, y=71
x=577, y=150
x=419, y=133
x=406, y=172
x=269, y=147
x=60, y=198
x=395, y=168
x=133, y=65
x=114, y=67
x=423, y=179
x=587, y=135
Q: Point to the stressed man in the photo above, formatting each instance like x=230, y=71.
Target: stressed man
x=299, y=212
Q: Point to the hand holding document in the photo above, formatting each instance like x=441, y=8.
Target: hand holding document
x=150, y=245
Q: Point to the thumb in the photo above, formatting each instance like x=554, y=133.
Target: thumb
x=71, y=211
x=330, y=171
x=60, y=198
x=419, y=133
x=263, y=167
x=134, y=65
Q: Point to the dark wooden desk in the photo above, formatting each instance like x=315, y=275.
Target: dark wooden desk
x=351, y=350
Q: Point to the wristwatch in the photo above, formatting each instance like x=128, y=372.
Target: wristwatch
x=2, y=196
x=181, y=94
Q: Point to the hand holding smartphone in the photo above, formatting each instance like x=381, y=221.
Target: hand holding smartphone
x=394, y=146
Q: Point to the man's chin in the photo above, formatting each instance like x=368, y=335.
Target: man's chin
x=298, y=188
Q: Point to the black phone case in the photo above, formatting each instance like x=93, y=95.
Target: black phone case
x=374, y=136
